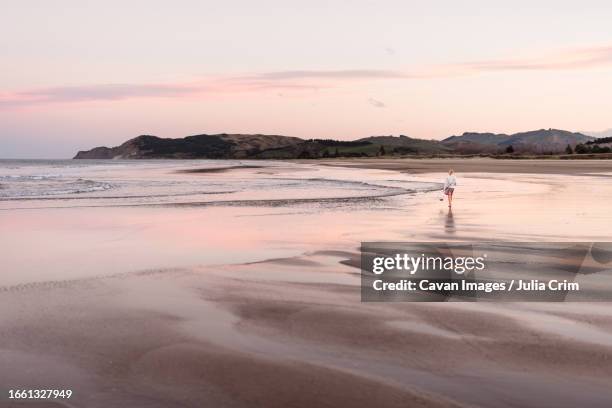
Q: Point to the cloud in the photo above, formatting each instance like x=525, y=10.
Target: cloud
x=116, y=92
x=566, y=60
x=330, y=74
x=376, y=103
x=572, y=59
x=305, y=80
x=102, y=92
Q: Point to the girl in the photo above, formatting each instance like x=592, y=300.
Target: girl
x=449, y=186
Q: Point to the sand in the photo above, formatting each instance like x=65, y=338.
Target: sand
x=479, y=165
x=288, y=330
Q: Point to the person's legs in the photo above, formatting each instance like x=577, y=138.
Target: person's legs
x=450, y=198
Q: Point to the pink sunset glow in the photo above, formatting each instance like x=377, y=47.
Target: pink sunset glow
x=341, y=81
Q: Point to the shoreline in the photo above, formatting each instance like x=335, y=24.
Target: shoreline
x=476, y=165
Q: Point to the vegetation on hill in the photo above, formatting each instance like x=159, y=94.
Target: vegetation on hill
x=541, y=141
x=245, y=146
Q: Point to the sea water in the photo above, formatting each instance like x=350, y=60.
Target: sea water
x=71, y=183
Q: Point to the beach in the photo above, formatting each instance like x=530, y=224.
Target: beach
x=237, y=284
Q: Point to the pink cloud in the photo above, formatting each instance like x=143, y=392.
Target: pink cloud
x=102, y=92
x=115, y=92
x=302, y=80
x=331, y=74
x=573, y=59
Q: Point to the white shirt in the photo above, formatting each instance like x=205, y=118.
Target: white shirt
x=450, y=181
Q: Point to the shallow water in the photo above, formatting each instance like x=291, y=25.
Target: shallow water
x=36, y=184
x=178, y=264
x=66, y=220
x=63, y=220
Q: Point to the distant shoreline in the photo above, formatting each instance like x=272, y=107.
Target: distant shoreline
x=476, y=165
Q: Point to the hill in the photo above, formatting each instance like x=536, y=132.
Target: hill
x=407, y=145
x=241, y=146
x=220, y=146
x=257, y=146
x=534, y=142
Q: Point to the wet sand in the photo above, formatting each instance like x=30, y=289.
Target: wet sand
x=480, y=165
x=289, y=329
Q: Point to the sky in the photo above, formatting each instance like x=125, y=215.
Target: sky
x=80, y=74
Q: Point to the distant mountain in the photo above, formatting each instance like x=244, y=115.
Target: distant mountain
x=475, y=143
x=240, y=146
x=243, y=146
x=221, y=146
x=407, y=145
x=535, y=142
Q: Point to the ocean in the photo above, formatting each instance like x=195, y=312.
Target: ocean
x=71, y=183
x=72, y=219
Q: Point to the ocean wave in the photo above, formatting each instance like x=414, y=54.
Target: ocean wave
x=319, y=202
x=286, y=202
x=118, y=197
x=35, y=177
x=163, y=185
x=340, y=184
x=48, y=185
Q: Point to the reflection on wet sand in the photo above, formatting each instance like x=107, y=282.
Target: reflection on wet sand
x=240, y=331
x=449, y=224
